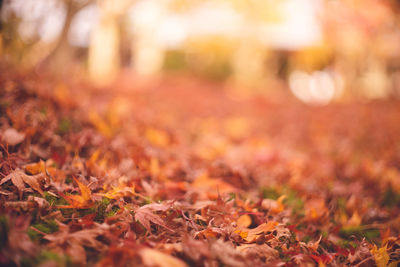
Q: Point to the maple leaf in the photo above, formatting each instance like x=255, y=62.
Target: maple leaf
x=145, y=215
x=73, y=244
x=19, y=178
x=119, y=191
x=250, y=235
x=82, y=201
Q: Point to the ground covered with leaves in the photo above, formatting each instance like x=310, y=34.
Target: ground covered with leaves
x=178, y=173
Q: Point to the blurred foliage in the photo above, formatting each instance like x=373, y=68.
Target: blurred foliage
x=251, y=43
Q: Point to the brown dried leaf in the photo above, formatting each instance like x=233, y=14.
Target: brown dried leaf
x=18, y=243
x=258, y=251
x=145, y=215
x=19, y=177
x=227, y=254
x=73, y=243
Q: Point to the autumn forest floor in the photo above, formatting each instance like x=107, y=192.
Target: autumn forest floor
x=174, y=173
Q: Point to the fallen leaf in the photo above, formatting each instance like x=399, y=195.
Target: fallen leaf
x=355, y=220
x=380, y=255
x=145, y=215
x=119, y=191
x=13, y=137
x=314, y=245
x=243, y=221
x=157, y=137
x=211, y=187
x=255, y=250
x=253, y=234
x=72, y=243
x=101, y=124
x=154, y=258
x=274, y=206
x=18, y=177
x=82, y=201
x=35, y=168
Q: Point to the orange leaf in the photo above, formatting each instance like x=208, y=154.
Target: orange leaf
x=243, y=221
x=82, y=201
x=252, y=234
x=101, y=124
x=36, y=168
x=157, y=137
x=120, y=191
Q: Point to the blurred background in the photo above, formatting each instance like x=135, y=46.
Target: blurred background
x=318, y=51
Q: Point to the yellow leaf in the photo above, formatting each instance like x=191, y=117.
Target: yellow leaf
x=243, y=221
x=243, y=234
x=261, y=229
x=82, y=201
x=157, y=137
x=85, y=191
x=94, y=157
x=380, y=255
x=355, y=220
x=393, y=264
x=35, y=168
x=120, y=191
x=100, y=124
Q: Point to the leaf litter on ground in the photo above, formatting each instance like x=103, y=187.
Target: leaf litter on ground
x=182, y=174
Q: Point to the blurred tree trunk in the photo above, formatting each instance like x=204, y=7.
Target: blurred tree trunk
x=61, y=55
x=104, y=56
